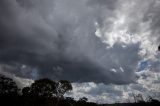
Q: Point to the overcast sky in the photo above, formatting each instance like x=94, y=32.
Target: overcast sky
x=106, y=46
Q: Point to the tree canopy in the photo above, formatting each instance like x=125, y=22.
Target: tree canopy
x=7, y=86
x=45, y=92
x=47, y=88
x=62, y=87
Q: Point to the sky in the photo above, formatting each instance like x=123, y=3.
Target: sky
x=106, y=48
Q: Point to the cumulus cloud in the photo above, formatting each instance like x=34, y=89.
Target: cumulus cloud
x=103, y=41
x=112, y=93
x=45, y=35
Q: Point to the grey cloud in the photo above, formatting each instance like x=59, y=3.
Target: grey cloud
x=44, y=35
x=147, y=14
x=152, y=14
x=56, y=39
x=21, y=82
x=112, y=93
x=110, y=4
x=155, y=64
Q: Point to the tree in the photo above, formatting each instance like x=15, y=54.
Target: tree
x=42, y=88
x=8, y=86
x=62, y=87
x=26, y=91
x=150, y=99
x=84, y=99
x=47, y=88
x=138, y=98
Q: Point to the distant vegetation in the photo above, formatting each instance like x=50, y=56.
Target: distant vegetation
x=45, y=92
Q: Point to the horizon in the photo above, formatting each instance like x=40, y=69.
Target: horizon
x=108, y=49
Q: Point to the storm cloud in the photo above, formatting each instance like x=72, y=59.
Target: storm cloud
x=81, y=41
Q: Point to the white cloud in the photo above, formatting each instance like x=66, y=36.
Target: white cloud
x=127, y=27
x=101, y=93
x=147, y=84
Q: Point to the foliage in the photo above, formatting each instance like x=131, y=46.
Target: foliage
x=84, y=99
x=62, y=87
x=47, y=88
x=45, y=92
x=42, y=88
x=7, y=86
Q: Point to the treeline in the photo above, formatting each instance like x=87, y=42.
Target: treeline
x=45, y=92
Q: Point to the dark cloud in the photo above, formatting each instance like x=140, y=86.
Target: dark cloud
x=56, y=39
x=93, y=41
x=112, y=93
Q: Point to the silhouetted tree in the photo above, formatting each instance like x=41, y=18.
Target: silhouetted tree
x=84, y=99
x=7, y=86
x=41, y=88
x=138, y=98
x=62, y=87
x=150, y=99
x=26, y=91
x=47, y=88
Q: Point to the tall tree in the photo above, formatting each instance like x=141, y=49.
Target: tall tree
x=62, y=87
x=7, y=86
x=47, y=88
x=42, y=88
